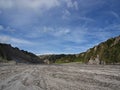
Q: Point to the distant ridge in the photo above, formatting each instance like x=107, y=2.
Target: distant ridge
x=9, y=53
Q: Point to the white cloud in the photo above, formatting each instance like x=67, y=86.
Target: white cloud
x=28, y=4
x=20, y=41
x=71, y=4
x=61, y=32
x=38, y=32
x=12, y=40
x=57, y=32
x=4, y=39
x=25, y=12
x=67, y=34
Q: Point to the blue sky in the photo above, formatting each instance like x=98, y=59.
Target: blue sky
x=58, y=26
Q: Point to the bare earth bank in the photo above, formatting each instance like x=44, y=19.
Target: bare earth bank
x=60, y=77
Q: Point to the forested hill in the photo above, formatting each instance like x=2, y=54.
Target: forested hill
x=107, y=52
x=9, y=53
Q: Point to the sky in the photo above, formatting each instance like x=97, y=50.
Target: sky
x=58, y=26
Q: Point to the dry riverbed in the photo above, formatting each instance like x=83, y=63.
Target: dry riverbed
x=60, y=77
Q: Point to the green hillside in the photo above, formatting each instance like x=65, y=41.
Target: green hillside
x=107, y=52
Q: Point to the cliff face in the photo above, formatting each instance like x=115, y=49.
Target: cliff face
x=9, y=53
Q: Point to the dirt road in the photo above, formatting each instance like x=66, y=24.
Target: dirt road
x=60, y=77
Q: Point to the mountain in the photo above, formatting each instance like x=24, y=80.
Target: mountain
x=107, y=52
x=9, y=53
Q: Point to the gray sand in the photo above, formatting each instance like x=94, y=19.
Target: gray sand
x=60, y=77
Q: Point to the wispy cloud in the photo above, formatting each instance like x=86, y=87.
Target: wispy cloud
x=115, y=14
x=25, y=12
x=72, y=4
x=14, y=41
x=20, y=41
x=66, y=34
x=28, y=4
x=86, y=19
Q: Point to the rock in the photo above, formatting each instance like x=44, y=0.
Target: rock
x=94, y=60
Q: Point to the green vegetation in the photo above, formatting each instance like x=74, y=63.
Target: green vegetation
x=107, y=52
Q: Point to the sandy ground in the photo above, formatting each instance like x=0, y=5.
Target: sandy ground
x=60, y=77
